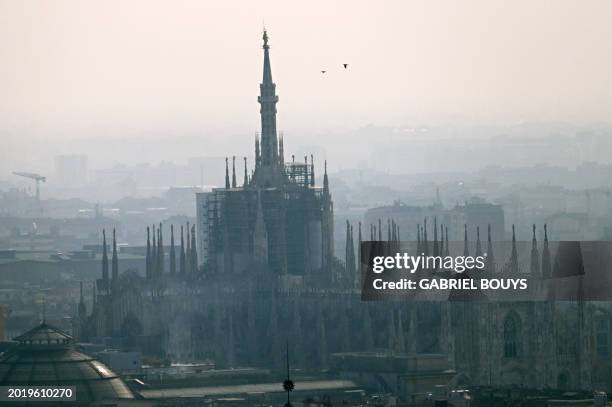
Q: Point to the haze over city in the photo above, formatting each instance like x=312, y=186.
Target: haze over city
x=152, y=70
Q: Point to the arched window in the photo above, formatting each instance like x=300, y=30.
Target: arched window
x=512, y=335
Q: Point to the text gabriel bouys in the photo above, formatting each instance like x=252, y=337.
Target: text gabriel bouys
x=452, y=284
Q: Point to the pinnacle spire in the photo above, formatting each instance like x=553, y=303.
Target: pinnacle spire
x=246, y=177
x=325, y=180
x=115, y=260
x=268, y=99
x=312, y=172
x=104, y=259
x=233, y=171
x=227, y=181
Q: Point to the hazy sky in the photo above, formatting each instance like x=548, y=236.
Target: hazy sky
x=85, y=67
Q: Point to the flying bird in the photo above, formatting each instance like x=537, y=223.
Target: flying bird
x=323, y=71
x=345, y=65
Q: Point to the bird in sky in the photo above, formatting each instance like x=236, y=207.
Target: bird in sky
x=345, y=65
x=323, y=71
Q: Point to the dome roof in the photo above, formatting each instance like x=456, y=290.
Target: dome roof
x=45, y=356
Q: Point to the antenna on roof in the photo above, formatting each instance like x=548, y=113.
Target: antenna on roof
x=288, y=384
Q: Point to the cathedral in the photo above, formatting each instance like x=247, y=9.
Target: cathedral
x=275, y=220
x=262, y=272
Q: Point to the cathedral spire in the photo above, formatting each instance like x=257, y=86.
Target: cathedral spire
x=182, y=254
x=227, y=181
x=425, y=241
x=194, y=252
x=188, y=250
x=478, y=246
x=148, y=260
x=245, y=182
x=172, y=253
x=115, y=260
x=535, y=256
x=312, y=172
x=234, y=172
x=447, y=250
x=325, y=181
x=306, y=181
x=466, y=249
x=436, y=247
x=490, y=262
x=104, y=261
x=513, y=261
x=268, y=99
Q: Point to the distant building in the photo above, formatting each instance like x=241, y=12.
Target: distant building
x=71, y=170
x=475, y=214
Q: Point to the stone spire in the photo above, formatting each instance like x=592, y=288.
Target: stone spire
x=104, y=261
x=234, y=184
x=419, y=246
x=546, y=265
x=425, y=243
x=268, y=99
x=172, y=253
x=227, y=180
x=447, y=250
x=436, y=247
x=306, y=181
x=312, y=171
x=187, y=250
x=281, y=151
x=490, y=262
x=182, y=254
x=115, y=263
x=194, y=252
x=466, y=248
x=379, y=230
x=535, y=255
x=245, y=182
x=478, y=246
x=360, y=239
x=441, y=239
x=148, y=259
x=325, y=181
x=513, y=261
x=160, y=253
x=153, y=252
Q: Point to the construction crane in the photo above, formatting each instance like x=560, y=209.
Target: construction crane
x=36, y=177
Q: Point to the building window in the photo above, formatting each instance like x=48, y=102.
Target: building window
x=511, y=336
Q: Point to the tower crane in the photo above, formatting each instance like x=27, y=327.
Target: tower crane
x=36, y=177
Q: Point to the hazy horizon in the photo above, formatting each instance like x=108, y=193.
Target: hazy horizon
x=78, y=77
x=78, y=69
